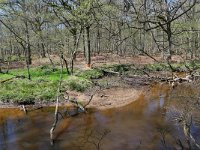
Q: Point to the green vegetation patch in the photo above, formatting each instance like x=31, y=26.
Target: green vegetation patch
x=77, y=84
x=91, y=74
x=24, y=90
x=176, y=66
x=5, y=76
x=118, y=67
x=43, y=84
x=14, y=58
x=194, y=65
x=157, y=67
x=38, y=72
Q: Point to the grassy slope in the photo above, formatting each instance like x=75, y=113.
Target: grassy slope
x=43, y=85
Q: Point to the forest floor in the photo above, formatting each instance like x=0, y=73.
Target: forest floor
x=108, y=89
x=97, y=60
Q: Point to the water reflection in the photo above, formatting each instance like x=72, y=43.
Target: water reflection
x=144, y=124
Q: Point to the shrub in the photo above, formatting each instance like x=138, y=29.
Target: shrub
x=77, y=84
x=91, y=74
x=23, y=90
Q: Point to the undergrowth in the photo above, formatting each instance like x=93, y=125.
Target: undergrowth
x=44, y=80
x=91, y=74
x=42, y=86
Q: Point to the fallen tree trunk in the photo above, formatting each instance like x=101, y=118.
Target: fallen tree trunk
x=15, y=77
x=107, y=73
x=29, y=109
x=189, y=136
x=7, y=80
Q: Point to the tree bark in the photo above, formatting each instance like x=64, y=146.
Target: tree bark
x=43, y=54
x=98, y=40
x=28, y=50
x=88, y=52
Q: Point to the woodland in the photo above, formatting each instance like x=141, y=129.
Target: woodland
x=102, y=55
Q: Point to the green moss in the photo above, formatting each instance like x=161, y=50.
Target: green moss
x=121, y=68
x=91, y=74
x=5, y=76
x=21, y=90
x=175, y=66
x=118, y=67
x=43, y=86
x=77, y=84
x=156, y=67
x=38, y=72
x=194, y=65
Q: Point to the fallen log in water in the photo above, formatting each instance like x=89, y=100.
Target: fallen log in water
x=29, y=108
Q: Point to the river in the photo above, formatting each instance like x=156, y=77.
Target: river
x=147, y=123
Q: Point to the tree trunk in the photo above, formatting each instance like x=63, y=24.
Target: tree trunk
x=74, y=48
x=28, y=51
x=84, y=48
x=28, y=46
x=43, y=53
x=88, y=50
x=169, y=57
x=119, y=44
x=98, y=41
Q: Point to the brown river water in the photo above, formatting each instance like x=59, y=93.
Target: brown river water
x=147, y=123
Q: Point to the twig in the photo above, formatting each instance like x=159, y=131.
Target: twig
x=56, y=108
x=88, y=101
x=7, y=80
x=24, y=109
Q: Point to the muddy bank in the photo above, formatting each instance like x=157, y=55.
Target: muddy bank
x=105, y=99
x=111, y=92
x=110, y=98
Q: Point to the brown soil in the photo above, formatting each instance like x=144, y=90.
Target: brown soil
x=120, y=92
x=114, y=97
x=104, y=99
x=108, y=98
x=97, y=60
x=12, y=65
